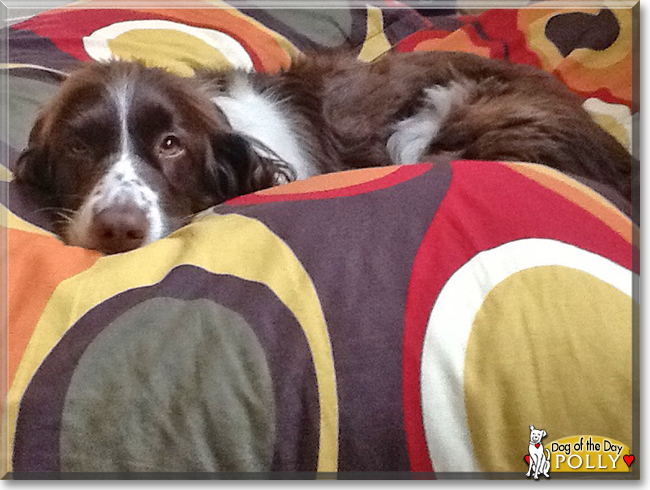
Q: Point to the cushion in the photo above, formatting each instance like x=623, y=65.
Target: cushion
x=387, y=320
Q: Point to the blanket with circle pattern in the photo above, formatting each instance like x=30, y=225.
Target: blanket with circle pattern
x=402, y=319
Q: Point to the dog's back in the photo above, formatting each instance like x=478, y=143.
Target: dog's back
x=421, y=106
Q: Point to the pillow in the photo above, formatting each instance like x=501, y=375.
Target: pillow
x=393, y=319
x=374, y=320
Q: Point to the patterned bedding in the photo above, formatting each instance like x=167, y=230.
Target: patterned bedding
x=403, y=319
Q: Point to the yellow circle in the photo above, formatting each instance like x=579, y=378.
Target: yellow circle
x=173, y=50
x=550, y=347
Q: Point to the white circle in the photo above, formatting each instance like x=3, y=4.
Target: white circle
x=450, y=323
x=96, y=45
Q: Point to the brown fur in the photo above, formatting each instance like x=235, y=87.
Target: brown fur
x=513, y=113
x=343, y=111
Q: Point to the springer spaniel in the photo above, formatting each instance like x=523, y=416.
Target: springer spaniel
x=131, y=153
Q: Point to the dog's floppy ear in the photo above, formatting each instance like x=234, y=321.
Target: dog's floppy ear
x=240, y=165
x=34, y=169
x=543, y=433
x=532, y=427
x=33, y=166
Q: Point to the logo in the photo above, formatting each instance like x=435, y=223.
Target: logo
x=539, y=462
x=576, y=454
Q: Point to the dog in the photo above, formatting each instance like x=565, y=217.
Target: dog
x=126, y=153
x=539, y=463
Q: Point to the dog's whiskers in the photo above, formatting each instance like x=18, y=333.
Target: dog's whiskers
x=64, y=217
x=53, y=208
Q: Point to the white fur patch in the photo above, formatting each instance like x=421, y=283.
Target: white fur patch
x=120, y=185
x=122, y=95
x=414, y=134
x=260, y=117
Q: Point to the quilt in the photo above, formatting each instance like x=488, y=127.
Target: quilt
x=411, y=321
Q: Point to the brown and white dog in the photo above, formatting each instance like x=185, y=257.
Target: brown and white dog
x=131, y=153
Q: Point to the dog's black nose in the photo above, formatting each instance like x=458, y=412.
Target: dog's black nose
x=119, y=228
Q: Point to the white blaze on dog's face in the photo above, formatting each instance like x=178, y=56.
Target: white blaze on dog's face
x=131, y=153
x=122, y=211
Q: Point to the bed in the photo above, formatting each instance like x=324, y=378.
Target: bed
x=399, y=322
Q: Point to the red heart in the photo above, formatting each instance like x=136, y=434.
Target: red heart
x=629, y=459
x=527, y=459
x=536, y=445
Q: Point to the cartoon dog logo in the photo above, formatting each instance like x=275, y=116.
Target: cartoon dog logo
x=538, y=462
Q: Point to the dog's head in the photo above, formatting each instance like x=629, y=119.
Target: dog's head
x=128, y=154
x=536, y=436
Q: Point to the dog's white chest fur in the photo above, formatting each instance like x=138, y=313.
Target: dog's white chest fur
x=260, y=117
x=413, y=135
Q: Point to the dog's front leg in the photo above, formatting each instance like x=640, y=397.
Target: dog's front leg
x=538, y=462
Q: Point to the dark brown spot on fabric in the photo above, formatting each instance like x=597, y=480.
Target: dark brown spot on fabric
x=581, y=30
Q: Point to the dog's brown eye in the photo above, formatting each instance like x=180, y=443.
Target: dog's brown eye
x=171, y=146
x=78, y=147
